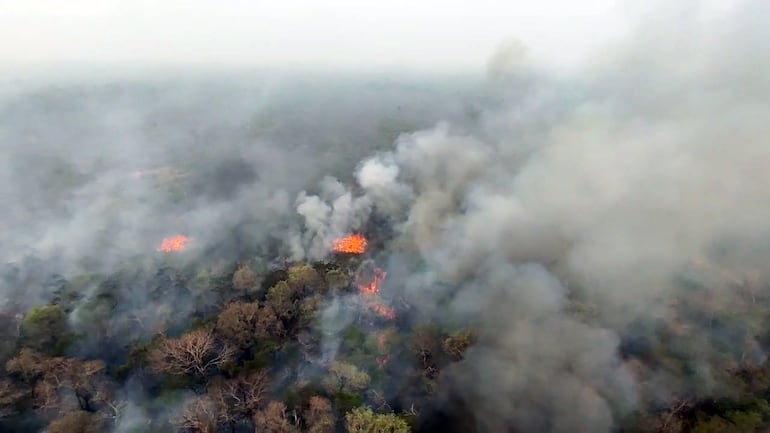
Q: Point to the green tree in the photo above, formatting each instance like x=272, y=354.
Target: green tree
x=457, y=343
x=303, y=277
x=308, y=308
x=364, y=420
x=730, y=422
x=243, y=323
x=202, y=280
x=281, y=299
x=45, y=328
x=336, y=279
x=345, y=377
x=247, y=281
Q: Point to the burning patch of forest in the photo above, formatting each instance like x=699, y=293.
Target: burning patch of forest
x=174, y=244
x=558, y=253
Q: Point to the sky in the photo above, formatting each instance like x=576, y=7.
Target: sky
x=429, y=35
x=397, y=34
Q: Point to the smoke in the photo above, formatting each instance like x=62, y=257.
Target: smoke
x=378, y=179
x=608, y=188
x=325, y=223
x=131, y=419
x=535, y=368
x=97, y=171
x=649, y=166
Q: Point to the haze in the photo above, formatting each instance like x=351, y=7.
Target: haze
x=307, y=217
x=442, y=36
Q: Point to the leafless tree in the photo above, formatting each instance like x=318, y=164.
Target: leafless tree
x=241, y=396
x=77, y=422
x=195, y=353
x=28, y=365
x=201, y=415
x=113, y=405
x=319, y=415
x=670, y=422
x=51, y=379
x=10, y=397
x=275, y=419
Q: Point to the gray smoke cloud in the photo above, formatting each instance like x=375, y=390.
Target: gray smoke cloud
x=603, y=188
x=96, y=170
x=325, y=223
x=533, y=367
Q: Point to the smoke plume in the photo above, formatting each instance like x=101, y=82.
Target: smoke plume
x=562, y=218
x=650, y=166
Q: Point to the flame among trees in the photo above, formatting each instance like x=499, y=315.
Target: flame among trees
x=370, y=291
x=224, y=360
x=176, y=243
x=373, y=288
x=353, y=244
x=242, y=330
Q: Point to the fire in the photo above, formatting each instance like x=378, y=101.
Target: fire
x=176, y=243
x=353, y=244
x=372, y=291
x=373, y=288
x=384, y=311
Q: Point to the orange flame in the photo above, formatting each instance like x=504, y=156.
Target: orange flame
x=384, y=311
x=372, y=290
x=353, y=244
x=177, y=243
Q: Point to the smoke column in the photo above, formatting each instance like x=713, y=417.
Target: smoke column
x=602, y=189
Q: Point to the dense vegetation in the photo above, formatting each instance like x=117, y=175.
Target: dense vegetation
x=252, y=357
x=545, y=254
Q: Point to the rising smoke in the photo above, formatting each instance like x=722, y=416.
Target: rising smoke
x=601, y=188
x=651, y=164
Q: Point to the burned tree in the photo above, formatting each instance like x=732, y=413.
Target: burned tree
x=197, y=353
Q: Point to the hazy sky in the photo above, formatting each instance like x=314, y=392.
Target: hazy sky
x=402, y=34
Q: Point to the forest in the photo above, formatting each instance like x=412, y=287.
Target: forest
x=253, y=357
x=531, y=250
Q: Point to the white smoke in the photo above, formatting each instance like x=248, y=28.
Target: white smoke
x=656, y=160
x=328, y=216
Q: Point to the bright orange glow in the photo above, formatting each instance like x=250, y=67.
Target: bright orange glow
x=373, y=288
x=372, y=291
x=177, y=243
x=353, y=244
x=384, y=311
